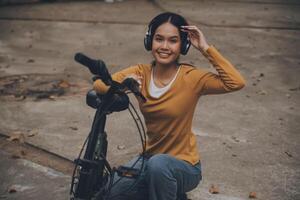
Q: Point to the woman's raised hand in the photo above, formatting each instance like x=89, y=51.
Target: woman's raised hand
x=196, y=37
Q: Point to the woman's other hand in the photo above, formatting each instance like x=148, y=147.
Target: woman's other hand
x=139, y=79
x=196, y=37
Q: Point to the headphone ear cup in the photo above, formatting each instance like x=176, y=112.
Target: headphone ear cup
x=185, y=46
x=147, y=42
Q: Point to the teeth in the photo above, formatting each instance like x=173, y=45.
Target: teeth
x=164, y=54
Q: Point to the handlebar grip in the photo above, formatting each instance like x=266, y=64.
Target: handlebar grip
x=133, y=85
x=96, y=67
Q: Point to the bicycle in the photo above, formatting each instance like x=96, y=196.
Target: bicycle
x=92, y=177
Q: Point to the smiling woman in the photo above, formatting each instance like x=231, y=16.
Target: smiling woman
x=172, y=90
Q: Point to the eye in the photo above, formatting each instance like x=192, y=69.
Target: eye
x=158, y=39
x=174, y=41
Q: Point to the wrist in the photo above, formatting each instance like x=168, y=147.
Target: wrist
x=205, y=47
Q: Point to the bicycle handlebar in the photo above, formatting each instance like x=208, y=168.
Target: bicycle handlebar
x=98, y=68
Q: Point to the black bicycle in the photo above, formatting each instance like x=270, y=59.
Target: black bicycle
x=93, y=176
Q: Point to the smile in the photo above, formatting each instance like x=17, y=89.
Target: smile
x=163, y=55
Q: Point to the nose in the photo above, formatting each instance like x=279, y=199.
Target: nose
x=165, y=45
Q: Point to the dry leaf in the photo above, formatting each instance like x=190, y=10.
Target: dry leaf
x=252, y=195
x=52, y=97
x=214, y=189
x=23, y=153
x=32, y=133
x=288, y=154
x=20, y=98
x=17, y=137
x=121, y=147
x=73, y=128
x=64, y=84
x=262, y=92
x=15, y=156
x=30, y=60
x=12, y=189
x=295, y=89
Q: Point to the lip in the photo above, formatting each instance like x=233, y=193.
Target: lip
x=163, y=54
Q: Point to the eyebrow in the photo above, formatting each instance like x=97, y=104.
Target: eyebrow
x=158, y=35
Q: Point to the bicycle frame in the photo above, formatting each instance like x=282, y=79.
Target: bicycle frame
x=92, y=173
x=91, y=178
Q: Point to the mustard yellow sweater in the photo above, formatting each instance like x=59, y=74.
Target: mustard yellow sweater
x=169, y=118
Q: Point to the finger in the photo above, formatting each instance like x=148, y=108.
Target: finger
x=191, y=30
x=185, y=30
x=192, y=33
x=189, y=27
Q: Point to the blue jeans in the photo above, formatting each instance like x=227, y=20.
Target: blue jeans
x=163, y=178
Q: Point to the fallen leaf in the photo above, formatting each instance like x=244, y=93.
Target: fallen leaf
x=73, y=128
x=20, y=98
x=12, y=189
x=262, y=92
x=64, y=84
x=52, y=97
x=15, y=156
x=23, y=153
x=32, y=133
x=288, y=154
x=295, y=89
x=214, y=189
x=121, y=147
x=252, y=195
x=30, y=61
x=17, y=137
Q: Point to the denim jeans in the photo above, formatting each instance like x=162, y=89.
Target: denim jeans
x=163, y=177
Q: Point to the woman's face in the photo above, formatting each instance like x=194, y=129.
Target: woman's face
x=166, y=44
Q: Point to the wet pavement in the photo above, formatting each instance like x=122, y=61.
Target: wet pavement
x=248, y=140
x=23, y=179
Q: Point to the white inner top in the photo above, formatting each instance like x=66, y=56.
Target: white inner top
x=157, y=91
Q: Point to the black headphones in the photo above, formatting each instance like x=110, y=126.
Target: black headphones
x=185, y=43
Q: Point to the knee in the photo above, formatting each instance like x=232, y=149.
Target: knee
x=158, y=165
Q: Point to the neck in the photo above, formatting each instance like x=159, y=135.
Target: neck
x=165, y=71
x=163, y=74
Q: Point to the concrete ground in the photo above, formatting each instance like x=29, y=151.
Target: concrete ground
x=248, y=140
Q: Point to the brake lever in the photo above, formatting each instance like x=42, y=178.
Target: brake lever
x=133, y=86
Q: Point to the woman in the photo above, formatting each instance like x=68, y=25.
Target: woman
x=172, y=90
